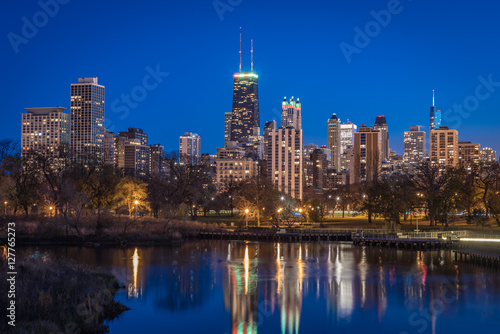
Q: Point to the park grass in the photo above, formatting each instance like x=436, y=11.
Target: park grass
x=58, y=296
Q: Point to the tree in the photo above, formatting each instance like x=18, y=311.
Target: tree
x=260, y=197
x=487, y=179
x=430, y=182
x=131, y=194
x=100, y=188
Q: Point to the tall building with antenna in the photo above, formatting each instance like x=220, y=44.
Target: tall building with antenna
x=245, y=119
x=435, y=119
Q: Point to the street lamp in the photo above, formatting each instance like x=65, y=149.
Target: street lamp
x=246, y=215
x=136, y=208
x=231, y=199
x=5, y=207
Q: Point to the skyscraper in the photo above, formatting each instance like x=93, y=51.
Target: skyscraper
x=291, y=114
x=245, y=120
x=227, y=126
x=488, y=156
x=190, y=148
x=414, y=146
x=87, y=120
x=334, y=140
x=110, y=147
x=283, y=155
x=45, y=131
x=133, y=152
x=435, y=119
x=444, y=147
x=381, y=127
x=366, y=165
x=157, y=164
x=347, y=131
x=469, y=154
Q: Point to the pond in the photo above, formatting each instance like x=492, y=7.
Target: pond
x=263, y=287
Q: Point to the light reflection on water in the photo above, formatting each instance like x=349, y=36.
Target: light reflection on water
x=248, y=287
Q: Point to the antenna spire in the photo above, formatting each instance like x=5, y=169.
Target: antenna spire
x=240, y=49
x=251, y=53
x=433, y=98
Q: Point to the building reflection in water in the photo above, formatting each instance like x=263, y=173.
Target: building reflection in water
x=240, y=289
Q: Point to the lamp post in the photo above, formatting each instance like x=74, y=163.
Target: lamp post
x=50, y=211
x=246, y=216
x=231, y=199
x=5, y=207
x=136, y=208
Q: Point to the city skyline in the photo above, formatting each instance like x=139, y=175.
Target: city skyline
x=351, y=96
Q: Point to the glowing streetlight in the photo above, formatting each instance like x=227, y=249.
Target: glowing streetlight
x=282, y=198
x=5, y=207
x=246, y=215
x=136, y=208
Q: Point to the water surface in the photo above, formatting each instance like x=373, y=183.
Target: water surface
x=258, y=287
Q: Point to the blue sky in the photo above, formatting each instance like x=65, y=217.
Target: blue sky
x=450, y=46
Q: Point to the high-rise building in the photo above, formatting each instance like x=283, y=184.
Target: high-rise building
x=245, y=120
x=110, y=147
x=334, y=140
x=157, y=163
x=87, y=120
x=227, y=126
x=414, y=146
x=488, y=155
x=347, y=131
x=435, y=115
x=190, y=148
x=444, y=147
x=291, y=114
x=45, y=131
x=232, y=171
x=381, y=127
x=469, y=155
x=367, y=158
x=133, y=152
x=283, y=155
x=309, y=149
x=319, y=169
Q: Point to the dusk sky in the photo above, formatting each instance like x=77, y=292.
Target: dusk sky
x=450, y=46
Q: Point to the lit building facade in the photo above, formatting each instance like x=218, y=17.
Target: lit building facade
x=45, y=131
x=367, y=157
x=414, y=146
x=110, y=147
x=435, y=115
x=245, y=120
x=334, y=140
x=133, y=152
x=444, y=147
x=284, y=158
x=87, y=120
x=232, y=171
x=469, y=154
x=227, y=126
x=190, y=148
x=381, y=127
x=291, y=114
x=488, y=155
x=157, y=163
